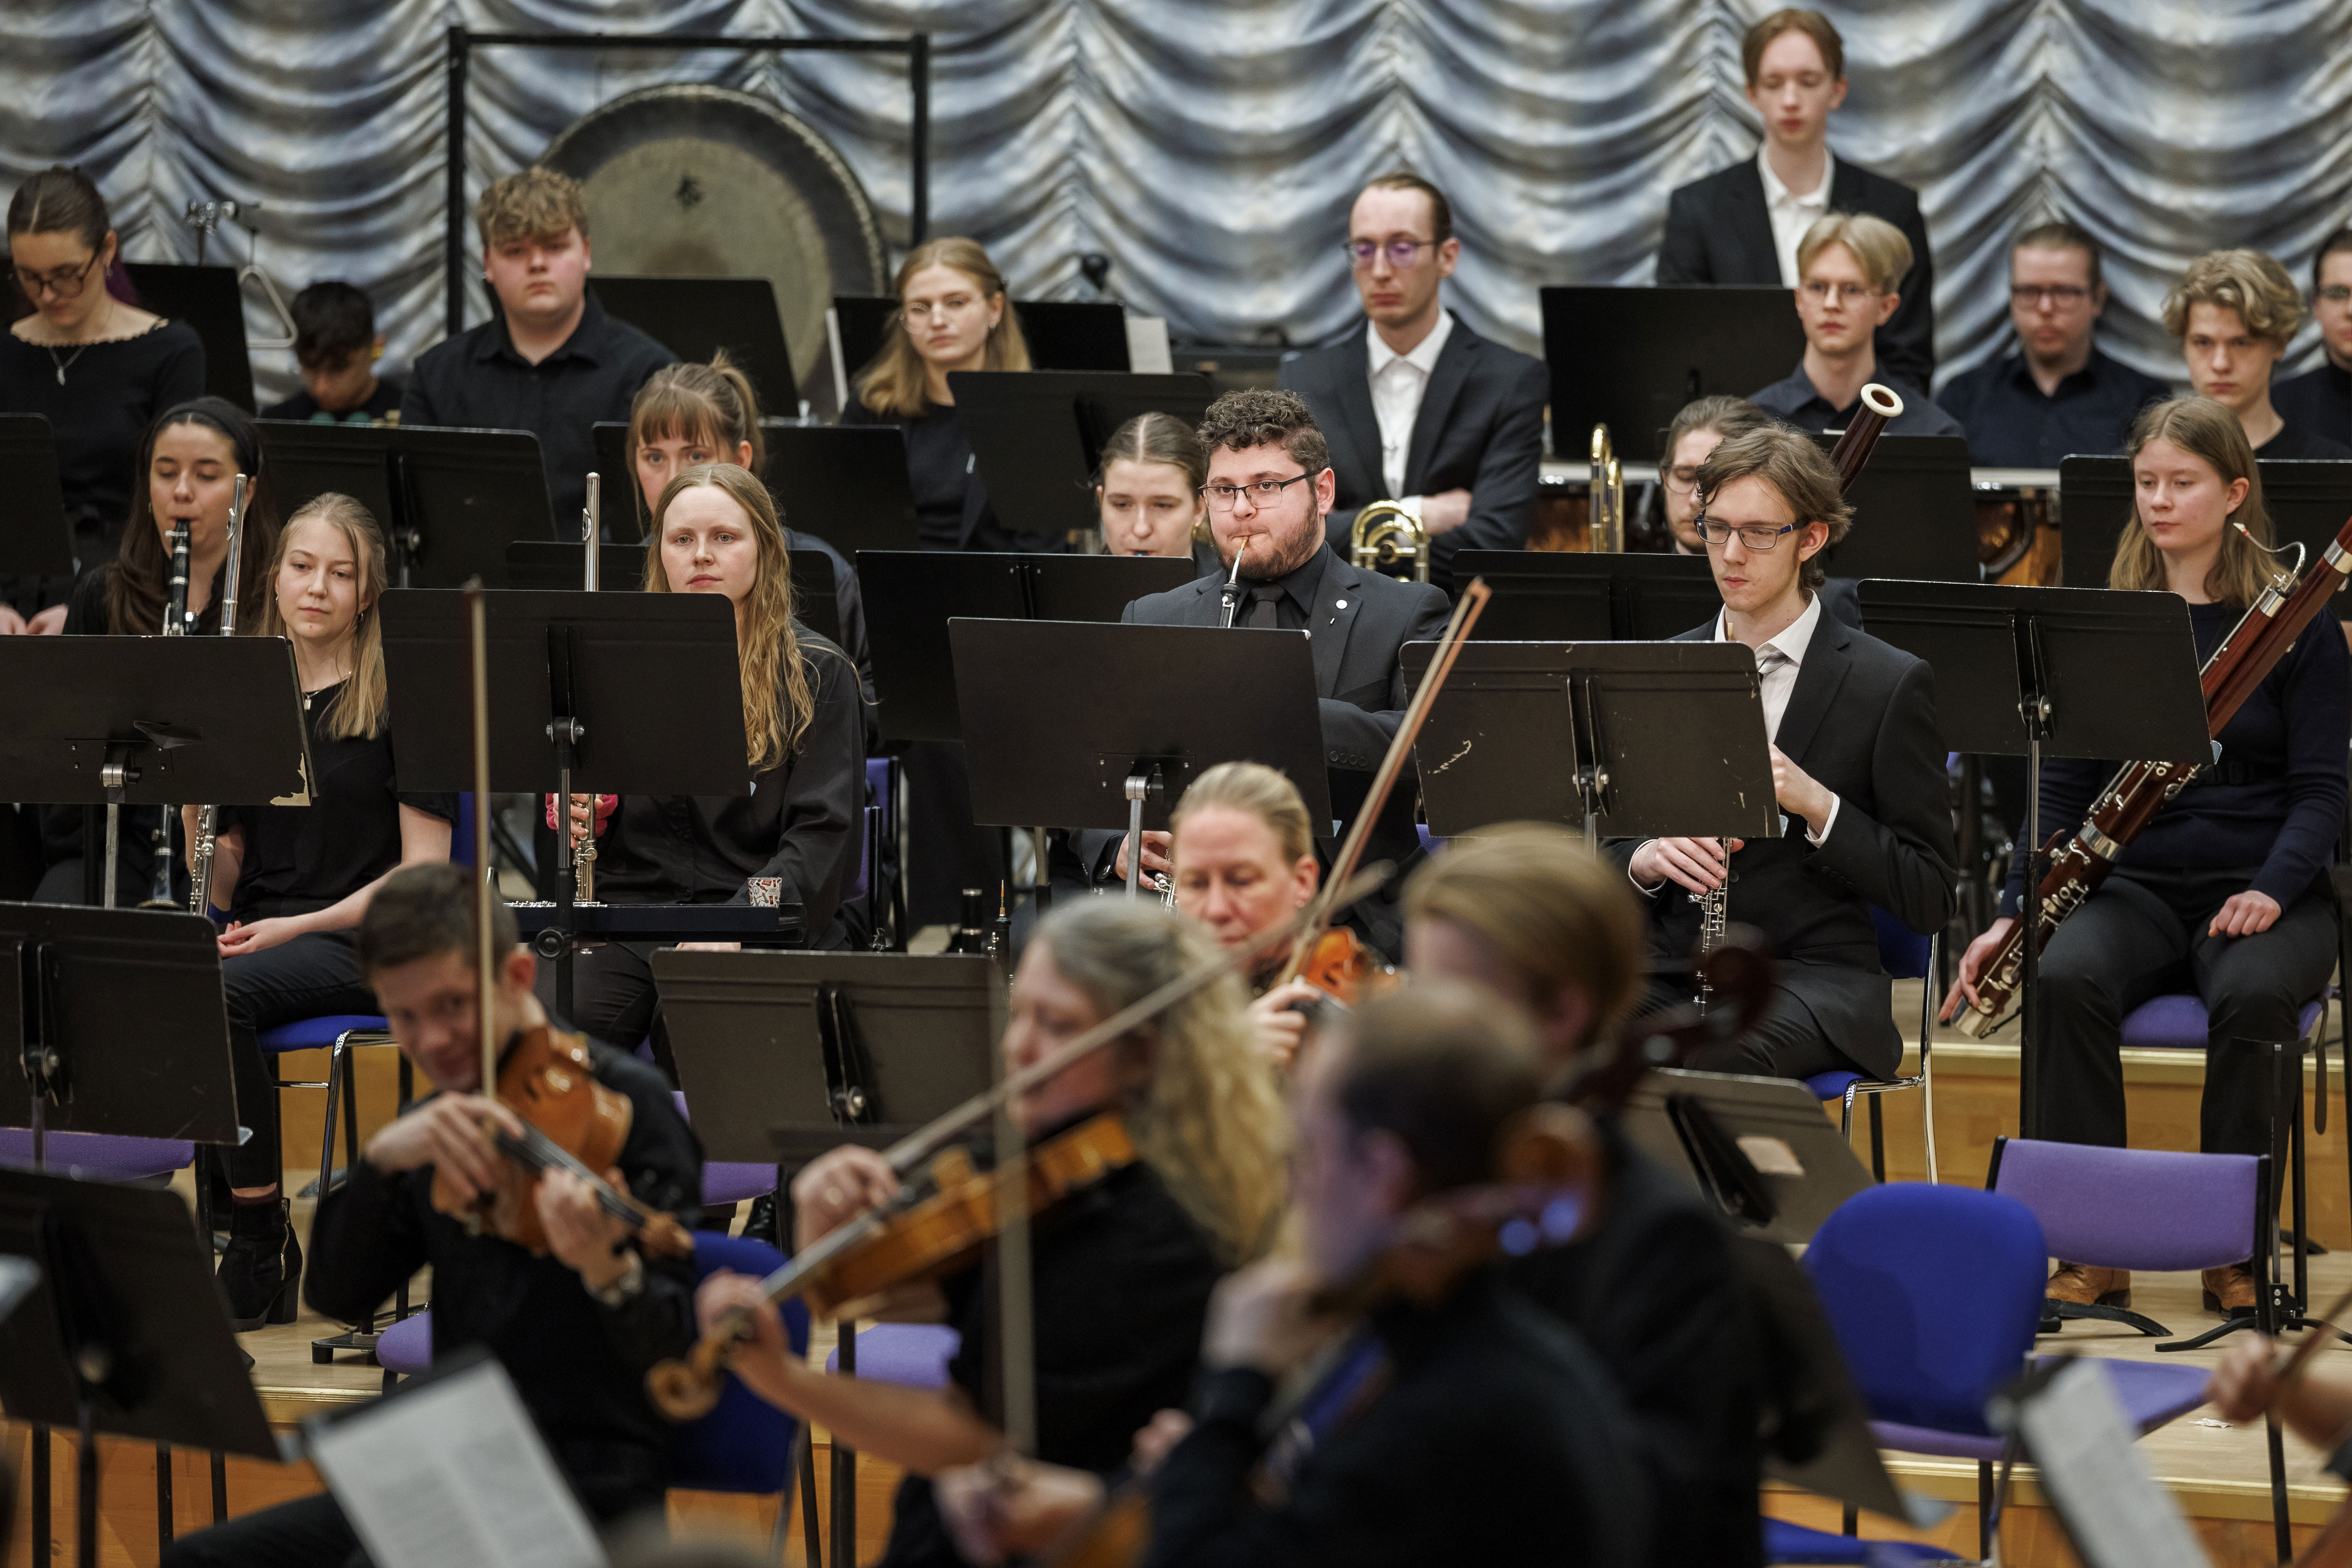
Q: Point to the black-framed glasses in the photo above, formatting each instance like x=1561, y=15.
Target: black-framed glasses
x=1758, y=537
x=1261, y=492
x=65, y=282
x=2335, y=293
x=1362, y=253
x=2038, y=294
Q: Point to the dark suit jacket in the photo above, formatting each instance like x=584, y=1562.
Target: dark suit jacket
x=1363, y=698
x=1862, y=721
x=1719, y=231
x=1480, y=428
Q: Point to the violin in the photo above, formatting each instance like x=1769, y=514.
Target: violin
x=1342, y=967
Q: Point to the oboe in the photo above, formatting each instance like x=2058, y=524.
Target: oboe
x=200, y=897
x=175, y=624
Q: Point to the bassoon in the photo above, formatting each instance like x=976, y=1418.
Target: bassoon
x=2080, y=860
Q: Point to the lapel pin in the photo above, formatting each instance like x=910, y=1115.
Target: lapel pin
x=1342, y=604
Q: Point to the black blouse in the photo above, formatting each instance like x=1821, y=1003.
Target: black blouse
x=801, y=821
x=98, y=413
x=298, y=859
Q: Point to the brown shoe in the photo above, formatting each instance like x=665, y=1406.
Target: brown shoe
x=2230, y=1291
x=2081, y=1285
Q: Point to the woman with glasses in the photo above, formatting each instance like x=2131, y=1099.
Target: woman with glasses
x=98, y=369
x=1849, y=265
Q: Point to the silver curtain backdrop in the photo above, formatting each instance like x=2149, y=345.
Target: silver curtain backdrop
x=1210, y=147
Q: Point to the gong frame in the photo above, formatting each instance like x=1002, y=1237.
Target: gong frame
x=464, y=41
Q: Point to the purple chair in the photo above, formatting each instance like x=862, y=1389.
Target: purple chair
x=94, y=1156
x=1906, y=955
x=913, y=1354
x=730, y=1181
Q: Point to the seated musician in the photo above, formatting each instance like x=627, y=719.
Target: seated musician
x=2058, y=394
x=1147, y=489
x=2234, y=313
x=1244, y=849
x=1699, y=428
x=187, y=471
x=2225, y=892
x=1857, y=768
x=1463, y=1424
x=1270, y=488
x=1523, y=910
x=1848, y=267
x=1121, y=1268
x=1418, y=408
x=336, y=347
x=296, y=881
x=549, y=360
x=715, y=531
x=576, y=1329
x=687, y=414
x=1743, y=224
x=2320, y=400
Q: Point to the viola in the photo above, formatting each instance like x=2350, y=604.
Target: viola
x=570, y=1123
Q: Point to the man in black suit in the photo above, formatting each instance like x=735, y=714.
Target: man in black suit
x=1857, y=766
x=1270, y=488
x=1416, y=407
x=1741, y=224
x=2320, y=400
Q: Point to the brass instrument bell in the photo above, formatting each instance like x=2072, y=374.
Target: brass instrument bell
x=1386, y=535
x=1607, y=533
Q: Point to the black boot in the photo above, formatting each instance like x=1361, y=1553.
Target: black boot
x=761, y=1225
x=262, y=1269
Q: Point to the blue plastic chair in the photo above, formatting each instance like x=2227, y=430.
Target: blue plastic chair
x=339, y=1034
x=1787, y=1542
x=1906, y=955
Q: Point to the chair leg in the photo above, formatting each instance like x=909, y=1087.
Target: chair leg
x=2280, y=1528
x=1877, y=1144
x=1926, y=1044
x=1927, y=1113
x=1845, y=1118
x=1985, y=1522
x=812, y=1545
x=327, y=1127
x=351, y=1106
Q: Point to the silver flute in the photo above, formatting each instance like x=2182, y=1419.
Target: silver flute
x=200, y=898
x=175, y=624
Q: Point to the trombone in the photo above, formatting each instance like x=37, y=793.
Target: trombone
x=1606, y=498
x=1386, y=535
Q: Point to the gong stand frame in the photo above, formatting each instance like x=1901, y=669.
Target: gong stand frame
x=464, y=41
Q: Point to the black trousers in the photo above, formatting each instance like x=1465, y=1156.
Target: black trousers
x=612, y=997
x=1788, y=1043
x=313, y=975
x=309, y=1533
x=2143, y=934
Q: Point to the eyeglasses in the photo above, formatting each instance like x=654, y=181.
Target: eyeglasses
x=1362, y=253
x=65, y=282
x=1847, y=293
x=1753, y=535
x=1261, y=492
x=1682, y=479
x=2051, y=294
x=2335, y=293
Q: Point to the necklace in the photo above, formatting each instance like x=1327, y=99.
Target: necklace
x=82, y=346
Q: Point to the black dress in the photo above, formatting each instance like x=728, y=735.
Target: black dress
x=296, y=859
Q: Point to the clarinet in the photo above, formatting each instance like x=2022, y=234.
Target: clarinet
x=583, y=859
x=2081, y=861
x=175, y=624
x=200, y=897
x=1879, y=406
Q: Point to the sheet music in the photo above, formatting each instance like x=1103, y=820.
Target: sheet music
x=455, y=1475
x=2094, y=1472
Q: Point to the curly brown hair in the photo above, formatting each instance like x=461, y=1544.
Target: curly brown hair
x=1267, y=416
x=533, y=203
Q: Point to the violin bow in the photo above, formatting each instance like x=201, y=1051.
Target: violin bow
x=1352, y=850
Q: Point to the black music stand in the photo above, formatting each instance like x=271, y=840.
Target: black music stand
x=1095, y=725
x=449, y=499
x=1064, y=335
x=36, y=540
x=2030, y=672
x=1914, y=513
x=1568, y=596
x=2308, y=501
x=1625, y=739
x=1030, y=432
x=1631, y=358
x=634, y=693
x=126, y=1335
x=1760, y=1147
x=553, y=566
x=151, y=721
x=208, y=299
x=694, y=318
x=845, y=484
x=910, y=596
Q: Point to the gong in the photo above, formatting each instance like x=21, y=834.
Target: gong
x=689, y=181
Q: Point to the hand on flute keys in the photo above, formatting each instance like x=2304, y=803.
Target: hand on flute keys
x=1972, y=966
x=1698, y=865
x=590, y=814
x=1156, y=849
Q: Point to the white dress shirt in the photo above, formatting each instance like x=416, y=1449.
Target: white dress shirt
x=1398, y=383
x=1793, y=216
x=1777, y=664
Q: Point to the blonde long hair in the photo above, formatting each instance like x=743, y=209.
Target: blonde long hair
x=2208, y=430
x=358, y=709
x=777, y=702
x=1211, y=1122
x=899, y=381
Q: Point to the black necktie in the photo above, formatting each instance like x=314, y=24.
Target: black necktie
x=1264, y=599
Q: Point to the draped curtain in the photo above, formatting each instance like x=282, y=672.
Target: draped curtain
x=1210, y=147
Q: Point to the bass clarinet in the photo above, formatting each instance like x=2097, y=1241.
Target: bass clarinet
x=200, y=865
x=2080, y=860
x=1879, y=407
